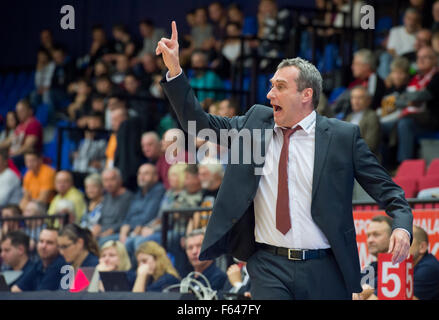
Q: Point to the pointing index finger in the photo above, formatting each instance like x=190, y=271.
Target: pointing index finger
x=174, y=35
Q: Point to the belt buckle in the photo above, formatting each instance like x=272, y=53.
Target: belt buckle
x=296, y=254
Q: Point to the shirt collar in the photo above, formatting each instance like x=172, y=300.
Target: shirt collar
x=306, y=123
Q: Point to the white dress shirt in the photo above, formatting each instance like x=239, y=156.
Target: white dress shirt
x=304, y=233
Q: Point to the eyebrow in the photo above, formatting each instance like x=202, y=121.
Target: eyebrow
x=278, y=80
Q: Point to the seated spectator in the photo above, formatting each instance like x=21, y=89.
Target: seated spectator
x=118, y=115
x=66, y=190
x=39, y=180
x=155, y=271
x=402, y=38
x=426, y=271
x=10, y=126
x=151, y=35
x=228, y=108
x=423, y=39
x=105, y=87
x=90, y=156
x=114, y=206
x=202, y=31
x=81, y=104
x=63, y=75
x=231, y=48
x=27, y=136
x=33, y=227
x=10, y=211
x=122, y=69
x=15, y=253
x=113, y=257
x=420, y=114
x=145, y=203
x=124, y=44
x=43, y=77
x=46, y=273
x=211, y=174
x=214, y=275
x=94, y=191
x=203, y=78
x=218, y=16
x=365, y=118
x=99, y=45
x=46, y=40
x=78, y=247
x=388, y=112
x=10, y=184
x=363, y=69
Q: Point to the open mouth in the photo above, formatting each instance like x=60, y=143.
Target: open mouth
x=277, y=108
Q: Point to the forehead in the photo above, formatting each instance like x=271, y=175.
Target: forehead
x=194, y=240
x=48, y=235
x=109, y=250
x=377, y=226
x=286, y=74
x=144, y=256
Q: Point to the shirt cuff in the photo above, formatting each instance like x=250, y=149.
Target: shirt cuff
x=408, y=233
x=169, y=78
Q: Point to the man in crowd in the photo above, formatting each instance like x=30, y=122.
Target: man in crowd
x=38, y=182
x=10, y=184
x=46, y=273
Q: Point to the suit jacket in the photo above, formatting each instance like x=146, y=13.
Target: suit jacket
x=369, y=129
x=341, y=155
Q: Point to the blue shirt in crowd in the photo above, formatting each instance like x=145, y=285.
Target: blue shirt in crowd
x=159, y=285
x=40, y=278
x=144, y=208
x=215, y=276
x=426, y=278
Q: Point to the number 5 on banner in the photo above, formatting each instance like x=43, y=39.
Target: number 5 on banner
x=395, y=282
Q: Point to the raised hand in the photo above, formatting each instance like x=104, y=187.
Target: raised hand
x=168, y=48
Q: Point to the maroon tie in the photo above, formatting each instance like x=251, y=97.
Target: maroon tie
x=283, y=221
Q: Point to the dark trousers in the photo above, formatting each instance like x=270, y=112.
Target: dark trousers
x=277, y=278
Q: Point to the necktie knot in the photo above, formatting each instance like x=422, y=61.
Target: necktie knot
x=289, y=131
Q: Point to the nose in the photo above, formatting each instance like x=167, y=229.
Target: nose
x=270, y=94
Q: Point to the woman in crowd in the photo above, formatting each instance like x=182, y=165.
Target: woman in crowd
x=155, y=271
x=78, y=247
x=113, y=257
x=11, y=124
x=95, y=194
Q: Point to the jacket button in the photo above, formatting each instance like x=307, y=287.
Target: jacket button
x=233, y=220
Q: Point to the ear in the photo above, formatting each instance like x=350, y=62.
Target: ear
x=307, y=95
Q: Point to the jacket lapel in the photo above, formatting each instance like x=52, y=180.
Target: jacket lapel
x=323, y=138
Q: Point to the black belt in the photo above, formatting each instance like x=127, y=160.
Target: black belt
x=294, y=254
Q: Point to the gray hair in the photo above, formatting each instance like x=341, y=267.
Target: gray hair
x=94, y=178
x=195, y=232
x=213, y=165
x=115, y=170
x=367, y=57
x=151, y=134
x=309, y=77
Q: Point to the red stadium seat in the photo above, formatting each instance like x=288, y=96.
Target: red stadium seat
x=433, y=168
x=429, y=181
x=408, y=184
x=411, y=168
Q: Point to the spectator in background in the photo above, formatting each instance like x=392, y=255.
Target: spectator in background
x=113, y=257
x=155, y=271
x=94, y=190
x=231, y=48
x=124, y=44
x=363, y=69
x=365, y=118
x=435, y=12
x=81, y=104
x=43, y=78
x=114, y=206
x=78, y=247
x=118, y=115
x=228, y=108
x=218, y=16
x=423, y=39
x=27, y=136
x=38, y=182
x=426, y=271
x=150, y=35
x=10, y=211
x=66, y=190
x=46, y=273
x=10, y=126
x=122, y=69
x=10, y=184
x=46, y=40
x=15, y=253
x=203, y=78
x=214, y=275
x=101, y=68
x=99, y=46
x=90, y=156
x=202, y=31
x=63, y=75
x=104, y=86
x=33, y=227
x=419, y=104
x=402, y=38
x=145, y=204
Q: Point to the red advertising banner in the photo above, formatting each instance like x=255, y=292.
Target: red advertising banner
x=427, y=219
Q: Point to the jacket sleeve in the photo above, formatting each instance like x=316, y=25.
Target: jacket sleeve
x=379, y=185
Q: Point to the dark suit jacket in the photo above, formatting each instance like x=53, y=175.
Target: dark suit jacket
x=341, y=155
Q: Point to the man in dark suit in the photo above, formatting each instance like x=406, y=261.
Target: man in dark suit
x=293, y=223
